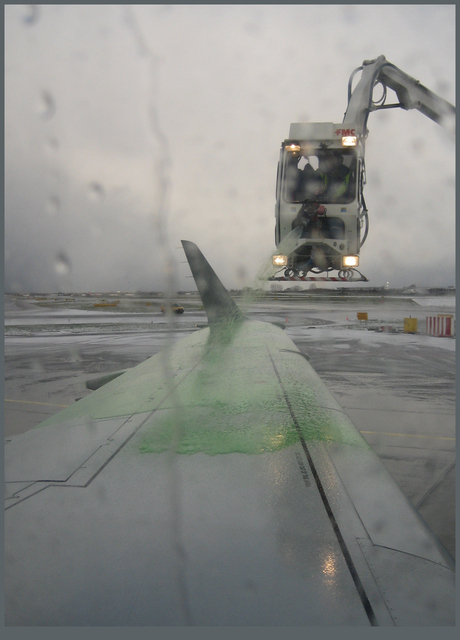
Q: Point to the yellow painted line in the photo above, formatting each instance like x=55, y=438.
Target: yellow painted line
x=407, y=435
x=46, y=404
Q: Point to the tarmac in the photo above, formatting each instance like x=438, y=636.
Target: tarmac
x=398, y=388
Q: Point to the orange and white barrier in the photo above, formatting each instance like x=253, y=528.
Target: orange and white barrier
x=440, y=325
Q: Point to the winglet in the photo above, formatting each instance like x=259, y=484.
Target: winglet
x=218, y=304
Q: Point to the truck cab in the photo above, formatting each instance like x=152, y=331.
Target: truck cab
x=319, y=189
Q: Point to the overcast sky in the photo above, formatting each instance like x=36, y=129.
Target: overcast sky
x=129, y=128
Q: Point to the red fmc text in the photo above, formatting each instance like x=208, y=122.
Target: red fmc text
x=345, y=132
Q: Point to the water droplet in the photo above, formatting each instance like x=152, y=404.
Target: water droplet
x=241, y=273
x=37, y=367
x=52, y=144
x=46, y=105
x=62, y=264
x=75, y=354
x=96, y=191
x=31, y=14
x=53, y=204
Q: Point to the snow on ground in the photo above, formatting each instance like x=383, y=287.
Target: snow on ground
x=368, y=337
x=440, y=301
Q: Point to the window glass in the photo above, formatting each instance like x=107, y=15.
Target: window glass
x=321, y=175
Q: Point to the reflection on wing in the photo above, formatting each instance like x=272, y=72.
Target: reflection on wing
x=231, y=490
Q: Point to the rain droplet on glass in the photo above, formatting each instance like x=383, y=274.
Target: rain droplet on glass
x=46, y=105
x=52, y=144
x=62, y=264
x=31, y=14
x=96, y=191
x=53, y=204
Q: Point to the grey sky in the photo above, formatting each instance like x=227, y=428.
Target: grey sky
x=129, y=128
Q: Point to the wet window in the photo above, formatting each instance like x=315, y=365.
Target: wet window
x=320, y=175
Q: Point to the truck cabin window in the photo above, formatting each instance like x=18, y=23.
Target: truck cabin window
x=324, y=175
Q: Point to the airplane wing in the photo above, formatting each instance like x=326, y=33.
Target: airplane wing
x=218, y=483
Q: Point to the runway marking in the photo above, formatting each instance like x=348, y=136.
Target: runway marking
x=407, y=435
x=46, y=404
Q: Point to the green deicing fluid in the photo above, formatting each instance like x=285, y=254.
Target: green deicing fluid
x=223, y=396
x=217, y=434
x=233, y=402
x=255, y=420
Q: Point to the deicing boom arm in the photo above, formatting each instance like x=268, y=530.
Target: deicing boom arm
x=411, y=95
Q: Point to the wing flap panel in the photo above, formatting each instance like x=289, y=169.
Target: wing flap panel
x=389, y=518
x=54, y=452
x=413, y=588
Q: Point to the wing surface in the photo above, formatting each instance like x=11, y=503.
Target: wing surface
x=218, y=483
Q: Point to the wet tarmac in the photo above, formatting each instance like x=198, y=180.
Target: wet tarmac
x=398, y=388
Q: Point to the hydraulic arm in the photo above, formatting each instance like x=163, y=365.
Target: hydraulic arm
x=411, y=95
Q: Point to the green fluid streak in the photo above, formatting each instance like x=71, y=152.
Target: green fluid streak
x=233, y=402
x=214, y=433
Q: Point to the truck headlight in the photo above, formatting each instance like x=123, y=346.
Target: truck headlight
x=350, y=261
x=280, y=261
x=349, y=141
